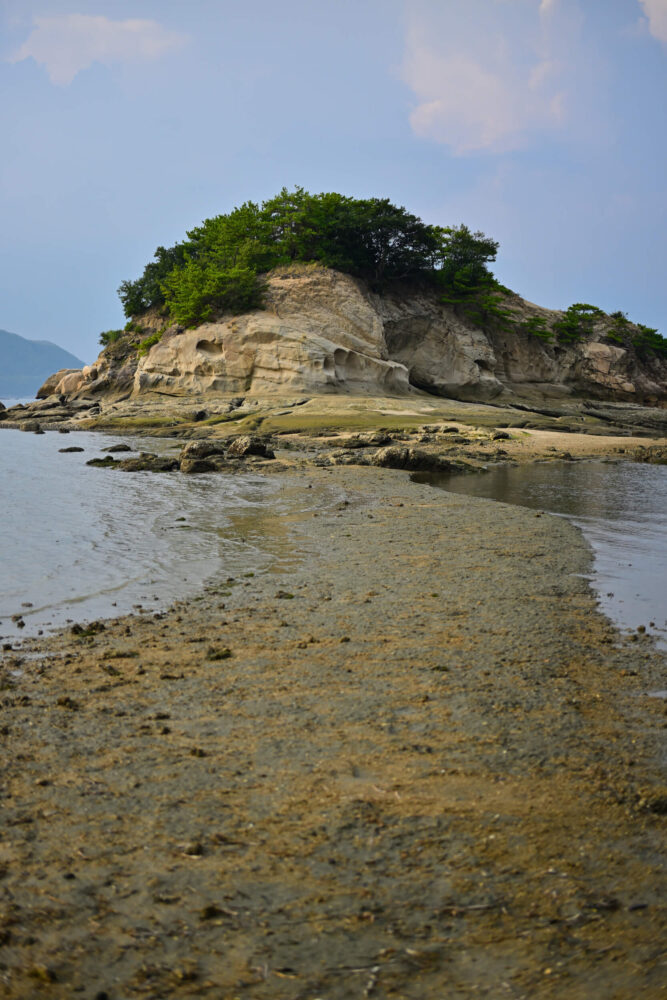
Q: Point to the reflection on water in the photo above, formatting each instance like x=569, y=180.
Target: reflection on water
x=81, y=543
x=621, y=509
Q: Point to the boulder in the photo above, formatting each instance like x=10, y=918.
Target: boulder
x=247, y=445
x=202, y=449
x=414, y=460
x=146, y=462
x=50, y=386
x=366, y=440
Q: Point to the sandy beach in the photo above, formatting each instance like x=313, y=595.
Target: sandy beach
x=419, y=763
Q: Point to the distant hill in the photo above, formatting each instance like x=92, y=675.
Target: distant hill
x=26, y=364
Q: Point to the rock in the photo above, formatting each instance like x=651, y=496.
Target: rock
x=325, y=332
x=31, y=426
x=190, y=466
x=202, y=449
x=249, y=445
x=103, y=463
x=320, y=333
x=66, y=451
x=414, y=460
x=117, y=448
x=500, y=436
x=146, y=462
x=49, y=387
x=366, y=440
x=654, y=454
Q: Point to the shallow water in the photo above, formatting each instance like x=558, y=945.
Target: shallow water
x=622, y=510
x=78, y=543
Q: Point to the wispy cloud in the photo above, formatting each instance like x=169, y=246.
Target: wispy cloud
x=489, y=73
x=68, y=44
x=656, y=14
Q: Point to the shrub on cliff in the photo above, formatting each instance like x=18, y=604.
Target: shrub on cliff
x=577, y=322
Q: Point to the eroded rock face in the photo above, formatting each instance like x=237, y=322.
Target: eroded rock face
x=319, y=333
x=325, y=332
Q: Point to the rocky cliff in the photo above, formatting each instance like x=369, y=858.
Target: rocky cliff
x=325, y=332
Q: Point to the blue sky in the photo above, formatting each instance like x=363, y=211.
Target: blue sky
x=126, y=122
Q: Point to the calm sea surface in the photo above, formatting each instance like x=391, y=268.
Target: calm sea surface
x=78, y=543
x=621, y=509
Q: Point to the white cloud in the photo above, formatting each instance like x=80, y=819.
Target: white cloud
x=68, y=44
x=656, y=13
x=489, y=73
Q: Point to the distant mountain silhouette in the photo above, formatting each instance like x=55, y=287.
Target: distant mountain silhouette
x=26, y=364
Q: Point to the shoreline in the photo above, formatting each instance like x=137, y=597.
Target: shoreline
x=420, y=760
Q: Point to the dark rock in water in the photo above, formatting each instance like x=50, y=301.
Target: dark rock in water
x=250, y=445
x=654, y=454
x=117, y=447
x=194, y=465
x=201, y=449
x=212, y=463
x=146, y=462
x=31, y=426
x=63, y=430
x=413, y=459
x=65, y=451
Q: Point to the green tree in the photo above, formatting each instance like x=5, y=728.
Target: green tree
x=577, y=322
x=198, y=289
x=140, y=295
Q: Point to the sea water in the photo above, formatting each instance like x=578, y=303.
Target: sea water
x=621, y=508
x=78, y=542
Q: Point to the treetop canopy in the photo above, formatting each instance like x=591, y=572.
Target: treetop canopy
x=219, y=267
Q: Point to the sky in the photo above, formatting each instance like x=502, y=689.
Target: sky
x=124, y=123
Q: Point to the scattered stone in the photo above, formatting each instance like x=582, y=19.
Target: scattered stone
x=194, y=850
x=117, y=447
x=66, y=451
x=66, y=702
x=218, y=654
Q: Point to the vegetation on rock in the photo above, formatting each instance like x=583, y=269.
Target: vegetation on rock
x=220, y=266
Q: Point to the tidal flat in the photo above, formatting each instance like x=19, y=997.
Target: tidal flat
x=419, y=762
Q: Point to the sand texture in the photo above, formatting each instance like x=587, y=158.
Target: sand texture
x=411, y=761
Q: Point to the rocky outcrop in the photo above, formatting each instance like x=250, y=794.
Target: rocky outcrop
x=324, y=332
x=318, y=334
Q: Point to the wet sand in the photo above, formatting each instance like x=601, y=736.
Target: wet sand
x=420, y=764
